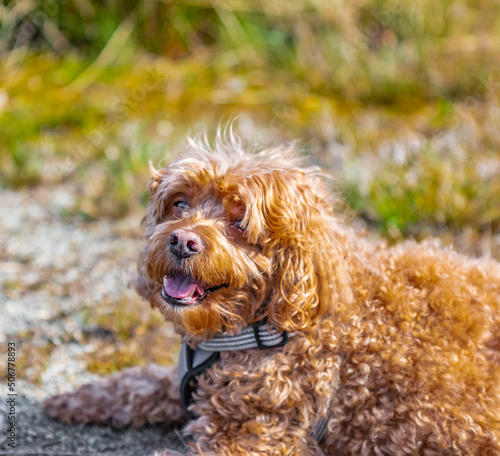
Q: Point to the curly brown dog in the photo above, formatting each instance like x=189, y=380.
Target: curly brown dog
x=324, y=342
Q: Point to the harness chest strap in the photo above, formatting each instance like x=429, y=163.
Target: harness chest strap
x=192, y=362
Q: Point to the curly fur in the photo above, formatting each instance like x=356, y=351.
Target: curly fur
x=399, y=347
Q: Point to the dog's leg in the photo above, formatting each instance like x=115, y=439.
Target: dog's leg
x=135, y=396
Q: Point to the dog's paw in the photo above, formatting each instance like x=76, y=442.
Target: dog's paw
x=62, y=407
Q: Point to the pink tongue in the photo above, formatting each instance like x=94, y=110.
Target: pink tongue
x=181, y=287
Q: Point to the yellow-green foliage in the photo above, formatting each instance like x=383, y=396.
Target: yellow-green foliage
x=89, y=91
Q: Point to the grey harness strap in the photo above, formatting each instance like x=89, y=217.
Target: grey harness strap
x=192, y=362
x=255, y=336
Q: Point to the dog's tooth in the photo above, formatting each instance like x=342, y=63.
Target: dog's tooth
x=165, y=281
x=192, y=293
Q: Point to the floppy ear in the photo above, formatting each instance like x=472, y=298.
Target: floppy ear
x=143, y=285
x=309, y=251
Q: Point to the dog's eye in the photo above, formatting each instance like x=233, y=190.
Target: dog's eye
x=181, y=206
x=239, y=225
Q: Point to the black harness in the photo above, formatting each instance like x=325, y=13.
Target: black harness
x=193, y=362
x=196, y=362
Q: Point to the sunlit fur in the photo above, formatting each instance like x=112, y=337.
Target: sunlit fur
x=275, y=261
x=399, y=347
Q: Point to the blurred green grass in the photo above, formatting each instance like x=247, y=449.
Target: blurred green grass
x=398, y=100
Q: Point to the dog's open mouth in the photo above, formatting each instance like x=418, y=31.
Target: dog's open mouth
x=184, y=290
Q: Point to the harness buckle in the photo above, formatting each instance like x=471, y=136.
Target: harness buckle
x=260, y=344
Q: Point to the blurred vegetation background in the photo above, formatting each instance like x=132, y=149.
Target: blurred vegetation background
x=398, y=100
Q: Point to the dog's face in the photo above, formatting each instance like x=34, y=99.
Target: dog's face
x=234, y=238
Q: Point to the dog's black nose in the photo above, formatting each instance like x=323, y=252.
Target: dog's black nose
x=183, y=243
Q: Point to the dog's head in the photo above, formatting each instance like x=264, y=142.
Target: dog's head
x=234, y=238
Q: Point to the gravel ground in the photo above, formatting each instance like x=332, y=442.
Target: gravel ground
x=51, y=267
x=38, y=434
